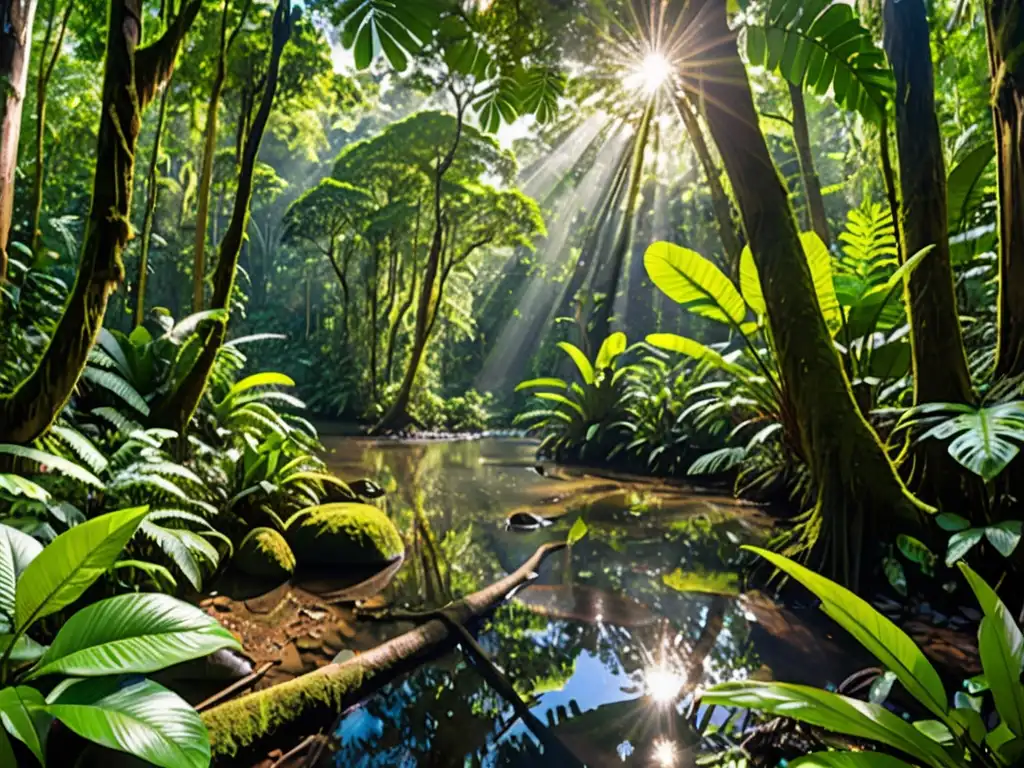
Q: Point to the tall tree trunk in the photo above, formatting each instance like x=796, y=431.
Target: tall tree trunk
x=47, y=63
x=603, y=315
x=1005, y=22
x=149, y=217
x=209, y=153
x=727, y=229
x=130, y=81
x=396, y=326
x=176, y=409
x=940, y=363
x=809, y=174
x=860, y=497
x=397, y=416
x=16, y=17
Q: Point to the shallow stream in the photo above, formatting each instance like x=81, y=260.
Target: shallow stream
x=606, y=645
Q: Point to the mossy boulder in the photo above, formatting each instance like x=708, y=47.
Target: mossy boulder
x=344, y=534
x=264, y=553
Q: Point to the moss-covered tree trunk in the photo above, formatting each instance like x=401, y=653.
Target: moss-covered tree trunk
x=809, y=174
x=727, y=229
x=47, y=62
x=940, y=363
x=859, y=496
x=1005, y=21
x=175, y=411
x=16, y=18
x=130, y=81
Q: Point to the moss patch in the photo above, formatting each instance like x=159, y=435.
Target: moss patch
x=237, y=724
x=265, y=553
x=343, y=534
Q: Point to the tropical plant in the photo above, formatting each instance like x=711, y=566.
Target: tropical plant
x=99, y=652
x=585, y=418
x=954, y=735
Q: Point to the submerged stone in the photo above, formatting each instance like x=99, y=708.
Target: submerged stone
x=344, y=534
x=264, y=553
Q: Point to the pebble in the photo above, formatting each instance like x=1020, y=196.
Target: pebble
x=291, y=662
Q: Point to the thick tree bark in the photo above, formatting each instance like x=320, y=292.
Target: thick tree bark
x=727, y=227
x=47, y=63
x=397, y=416
x=809, y=174
x=175, y=411
x=859, y=495
x=16, y=17
x=940, y=362
x=602, y=322
x=209, y=152
x=131, y=78
x=1005, y=21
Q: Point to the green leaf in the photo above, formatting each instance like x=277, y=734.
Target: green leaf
x=577, y=532
x=895, y=575
x=915, y=551
x=883, y=639
x=611, y=348
x=542, y=382
x=132, y=633
x=819, y=260
x=61, y=465
x=984, y=440
x=1001, y=646
x=582, y=364
x=20, y=712
x=71, y=563
x=947, y=521
x=17, y=550
x=965, y=185
x=706, y=582
x=688, y=278
x=832, y=712
x=820, y=46
x=936, y=731
x=267, y=379
x=750, y=282
x=848, y=760
x=141, y=718
x=961, y=543
x=25, y=650
x=1004, y=536
x=113, y=383
x=16, y=485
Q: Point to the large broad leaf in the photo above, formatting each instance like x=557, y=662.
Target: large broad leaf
x=23, y=718
x=886, y=642
x=53, y=463
x=16, y=485
x=984, y=440
x=71, y=563
x=964, y=189
x=542, y=382
x=401, y=27
x=691, y=348
x=132, y=633
x=1001, y=645
x=832, y=712
x=611, y=348
x=688, y=278
x=141, y=718
x=819, y=260
x=266, y=379
x=821, y=46
x=848, y=760
x=17, y=550
x=582, y=364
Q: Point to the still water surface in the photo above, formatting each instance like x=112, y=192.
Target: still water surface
x=609, y=642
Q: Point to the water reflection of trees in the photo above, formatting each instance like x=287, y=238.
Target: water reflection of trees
x=445, y=714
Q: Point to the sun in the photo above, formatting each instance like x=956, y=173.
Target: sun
x=663, y=684
x=650, y=74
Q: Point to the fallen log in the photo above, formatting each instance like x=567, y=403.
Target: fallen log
x=245, y=724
